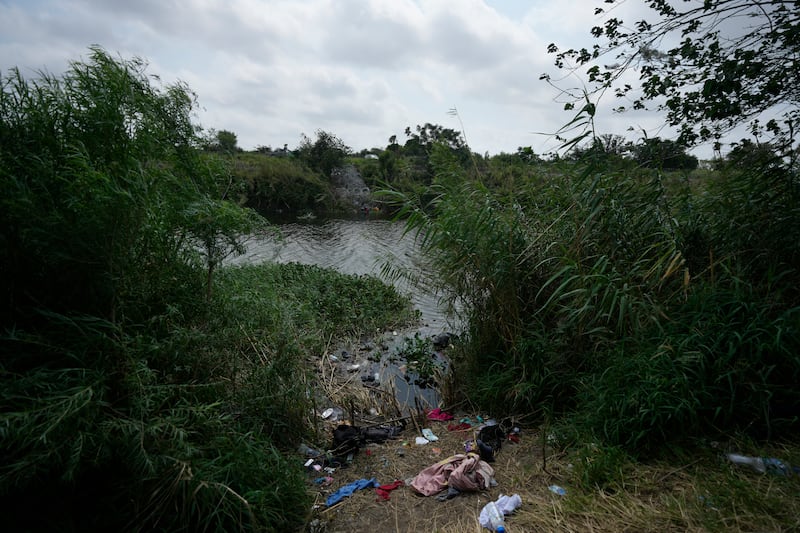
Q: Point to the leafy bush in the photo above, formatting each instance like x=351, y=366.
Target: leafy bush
x=133, y=396
x=282, y=183
x=324, y=154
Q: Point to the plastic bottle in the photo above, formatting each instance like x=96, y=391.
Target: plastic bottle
x=762, y=465
x=756, y=463
x=309, y=452
x=492, y=518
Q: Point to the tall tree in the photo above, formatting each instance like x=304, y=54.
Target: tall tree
x=712, y=65
x=323, y=154
x=226, y=140
x=665, y=154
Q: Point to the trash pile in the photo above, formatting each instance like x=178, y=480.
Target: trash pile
x=469, y=470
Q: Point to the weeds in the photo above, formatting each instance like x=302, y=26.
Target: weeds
x=133, y=396
x=421, y=360
x=643, y=314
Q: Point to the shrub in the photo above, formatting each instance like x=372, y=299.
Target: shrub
x=282, y=183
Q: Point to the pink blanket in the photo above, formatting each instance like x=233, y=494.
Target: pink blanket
x=467, y=473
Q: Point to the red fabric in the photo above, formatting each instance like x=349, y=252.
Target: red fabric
x=438, y=414
x=459, y=427
x=384, y=491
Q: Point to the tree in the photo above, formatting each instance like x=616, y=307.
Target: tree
x=324, y=154
x=748, y=154
x=433, y=133
x=226, y=140
x=220, y=141
x=726, y=63
x=664, y=154
x=603, y=147
x=527, y=155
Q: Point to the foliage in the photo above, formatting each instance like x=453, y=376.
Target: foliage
x=129, y=400
x=323, y=301
x=408, y=166
x=663, y=154
x=223, y=141
x=100, y=148
x=421, y=359
x=425, y=136
x=726, y=63
x=605, y=151
x=599, y=467
x=324, y=154
x=282, y=183
x=369, y=169
x=643, y=314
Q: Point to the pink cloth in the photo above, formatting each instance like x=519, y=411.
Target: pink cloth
x=438, y=414
x=467, y=473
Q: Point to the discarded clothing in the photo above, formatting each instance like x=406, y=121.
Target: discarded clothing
x=508, y=504
x=485, y=451
x=489, y=441
x=384, y=491
x=348, y=490
x=346, y=440
x=463, y=426
x=438, y=414
x=466, y=473
x=451, y=493
x=492, y=435
x=381, y=434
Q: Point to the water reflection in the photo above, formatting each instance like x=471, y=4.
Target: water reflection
x=358, y=247
x=362, y=247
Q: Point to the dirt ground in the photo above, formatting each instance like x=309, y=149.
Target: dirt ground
x=517, y=466
x=695, y=496
x=401, y=459
x=700, y=492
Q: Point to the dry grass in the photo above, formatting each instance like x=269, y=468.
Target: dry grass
x=701, y=492
x=706, y=495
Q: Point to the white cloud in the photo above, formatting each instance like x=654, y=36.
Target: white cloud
x=271, y=70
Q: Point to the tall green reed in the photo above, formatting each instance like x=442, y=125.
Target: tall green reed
x=642, y=314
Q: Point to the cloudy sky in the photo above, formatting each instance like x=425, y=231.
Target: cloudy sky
x=364, y=70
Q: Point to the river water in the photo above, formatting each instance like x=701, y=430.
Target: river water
x=358, y=246
x=363, y=246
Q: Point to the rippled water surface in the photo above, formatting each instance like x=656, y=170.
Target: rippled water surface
x=360, y=246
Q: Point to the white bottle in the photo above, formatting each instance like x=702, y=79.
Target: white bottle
x=757, y=463
x=492, y=518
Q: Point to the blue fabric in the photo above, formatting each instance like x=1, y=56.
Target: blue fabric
x=347, y=490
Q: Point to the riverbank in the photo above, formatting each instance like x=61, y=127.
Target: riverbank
x=693, y=490
x=564, y=484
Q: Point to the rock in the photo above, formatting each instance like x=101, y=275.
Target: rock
x=349, y=187
x=442, y=340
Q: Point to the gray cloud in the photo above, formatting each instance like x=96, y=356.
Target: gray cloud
x=270, y=70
